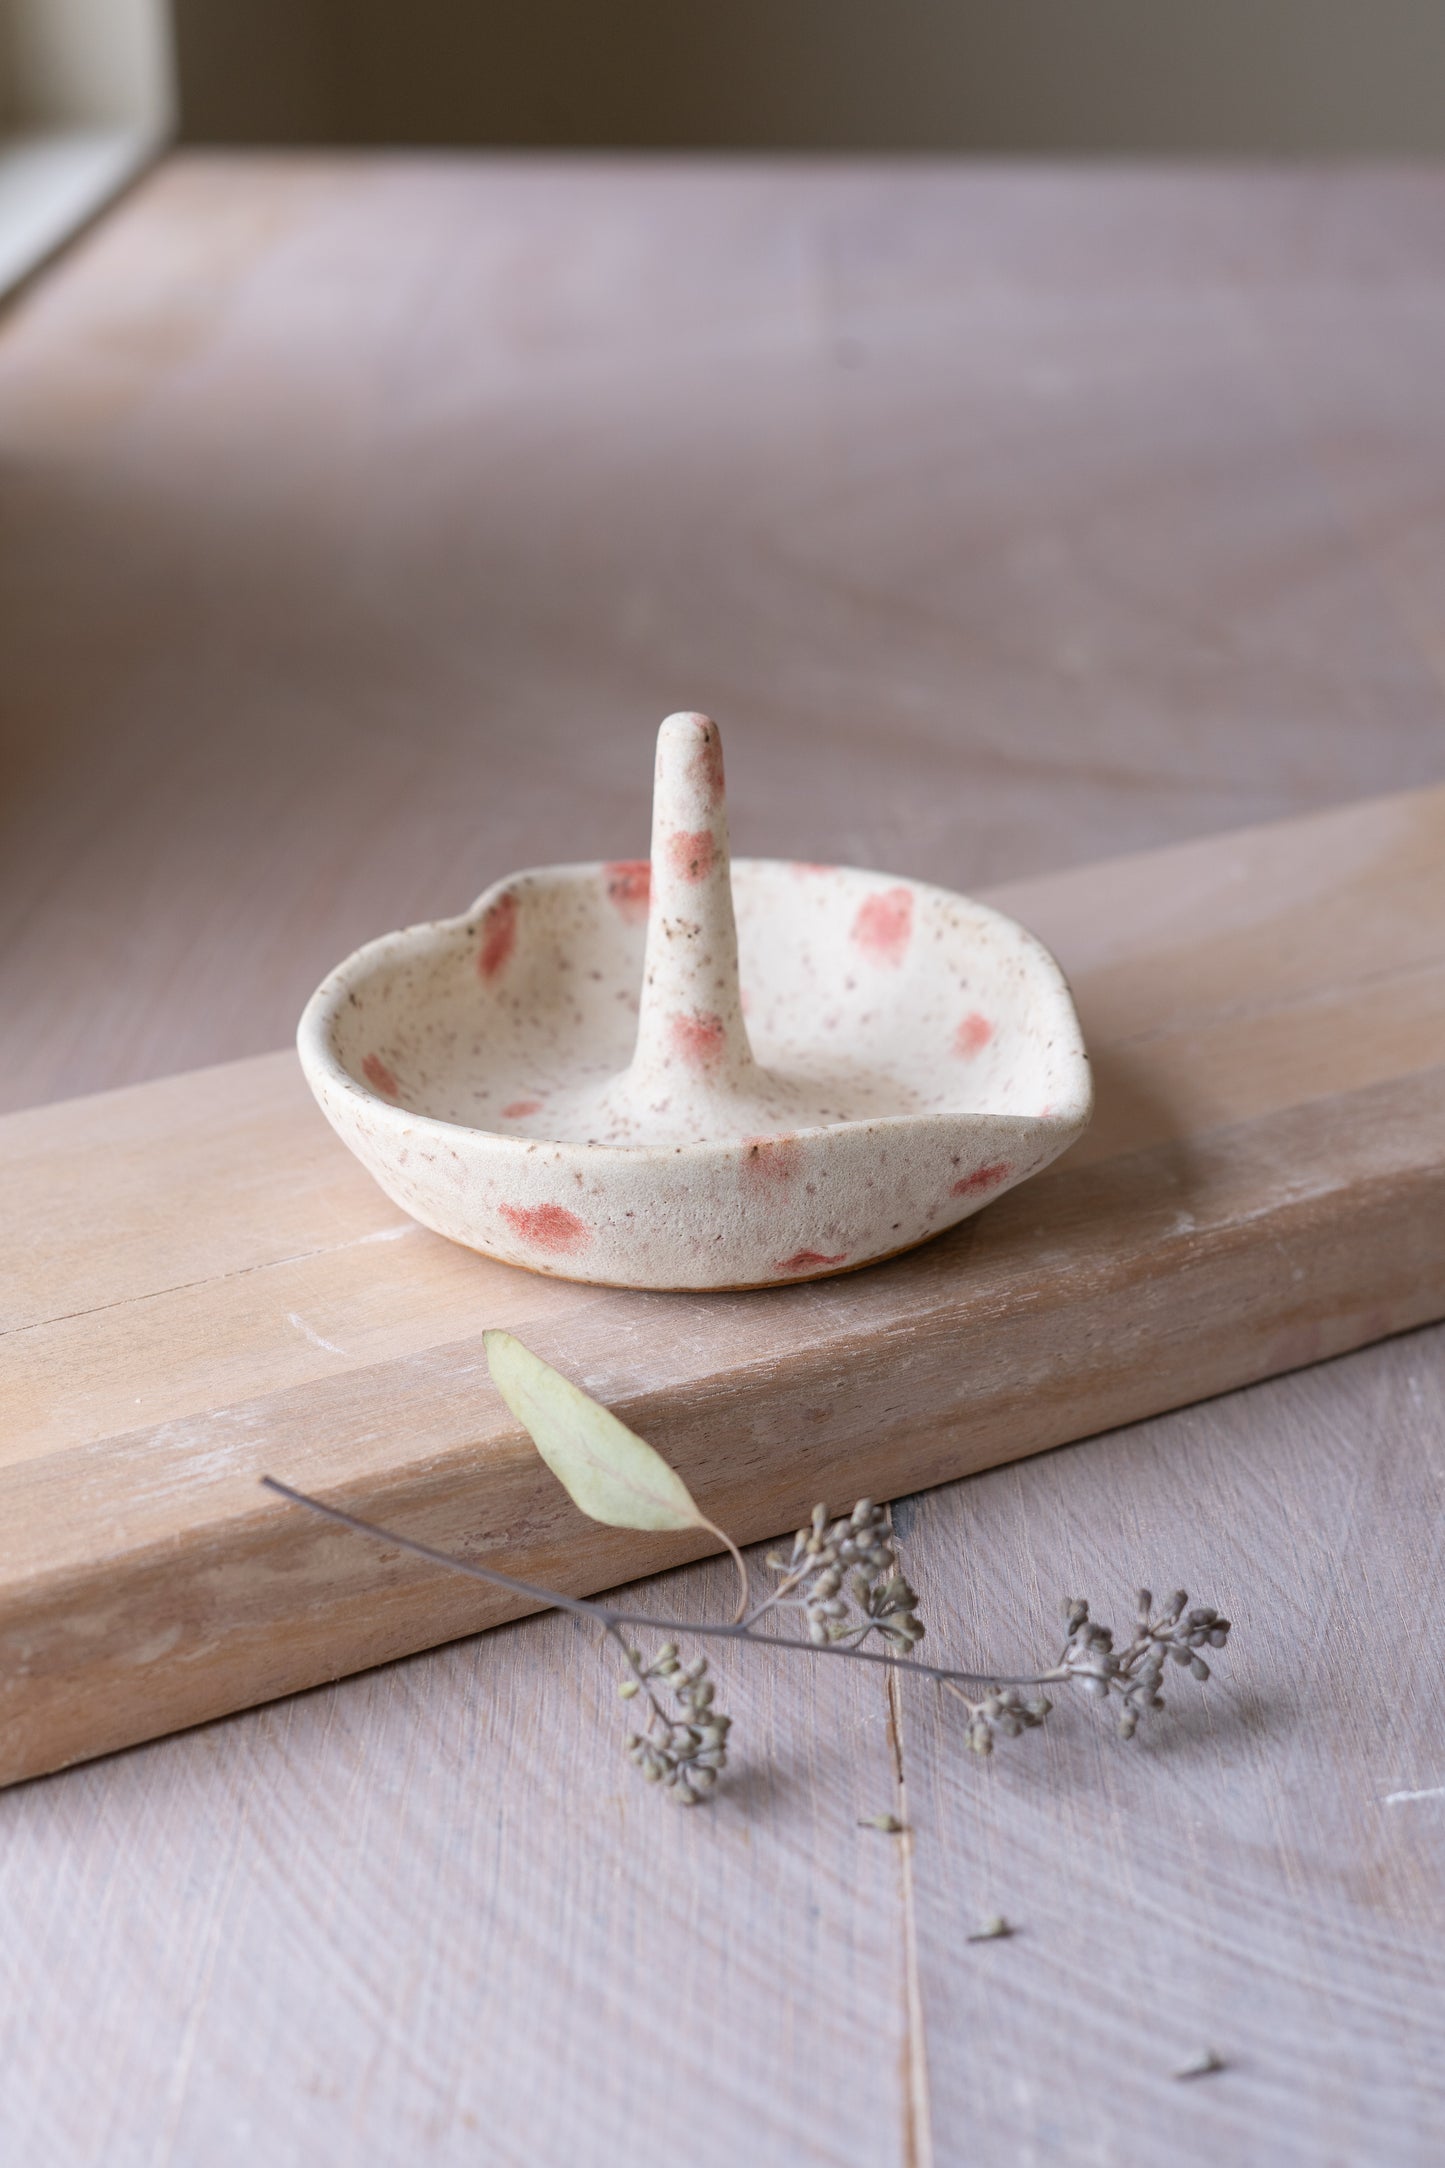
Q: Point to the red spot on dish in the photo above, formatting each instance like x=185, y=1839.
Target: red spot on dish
x=972, y=1035
x=519, y=1107
x=884, y=924
x=698, y=1038
x=982, y=1178
x=810, y=865
x=690, y=854
x=805, y=1260
x=770, y=1161
x=499, y=936
x=547, y=1226
x=629, y=885
x=706, y=766
x=379, y=1077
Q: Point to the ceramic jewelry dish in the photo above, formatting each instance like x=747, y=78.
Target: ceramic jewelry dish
x=694, y=1073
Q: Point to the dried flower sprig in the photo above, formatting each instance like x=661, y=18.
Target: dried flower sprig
x=685, y=1751
x=842, y=1576
x=1090, y=1660
x=1002, y=1713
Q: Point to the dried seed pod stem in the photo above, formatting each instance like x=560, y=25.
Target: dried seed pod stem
x=844, y=1577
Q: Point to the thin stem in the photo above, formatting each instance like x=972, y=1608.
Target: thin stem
x=529, y=1589
x=745, y=1588
x=603, y=1615
x=781, y=1594
x=656, y=1713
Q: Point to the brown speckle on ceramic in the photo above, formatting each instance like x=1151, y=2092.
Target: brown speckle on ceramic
x=563, y=1077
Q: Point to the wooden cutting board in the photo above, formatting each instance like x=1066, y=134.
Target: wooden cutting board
x=202, y=1286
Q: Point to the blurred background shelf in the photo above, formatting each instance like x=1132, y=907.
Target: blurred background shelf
x=52, y=182
x=87, y=100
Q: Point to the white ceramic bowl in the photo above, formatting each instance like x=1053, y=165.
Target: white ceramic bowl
x=592, y=1074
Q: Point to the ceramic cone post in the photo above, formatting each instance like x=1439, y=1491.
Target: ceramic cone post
x=690, y=1031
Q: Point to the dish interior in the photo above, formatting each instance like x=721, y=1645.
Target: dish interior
x=864, y=998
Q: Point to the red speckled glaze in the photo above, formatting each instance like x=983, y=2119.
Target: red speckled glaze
x=569, y=1081
x=629, y=885
x=375, y=1071
x=698, y=1039
x=883, y=927
x=769, y=1161
x=972, y=1035
x=691, y=855
x=706, y=780
x=969, y=1185
x=549, y=1227
x=499, y=936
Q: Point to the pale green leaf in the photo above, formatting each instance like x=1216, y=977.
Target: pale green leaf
x=605, y=1468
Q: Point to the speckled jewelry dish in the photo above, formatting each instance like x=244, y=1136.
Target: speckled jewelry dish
x=699, y=1074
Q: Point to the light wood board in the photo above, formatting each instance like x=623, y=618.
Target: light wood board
x=203, y=1287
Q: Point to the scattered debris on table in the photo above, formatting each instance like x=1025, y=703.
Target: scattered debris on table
x=991, y=1929
x=1202, y=2065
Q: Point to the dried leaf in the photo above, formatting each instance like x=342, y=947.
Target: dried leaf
x=605, y=1468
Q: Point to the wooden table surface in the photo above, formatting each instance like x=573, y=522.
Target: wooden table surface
x=359, y=518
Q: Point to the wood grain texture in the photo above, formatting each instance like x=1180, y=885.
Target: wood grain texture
x=1266, y=1186
x=1265, y=1879
x=428, y=1912
x=1062, y=513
